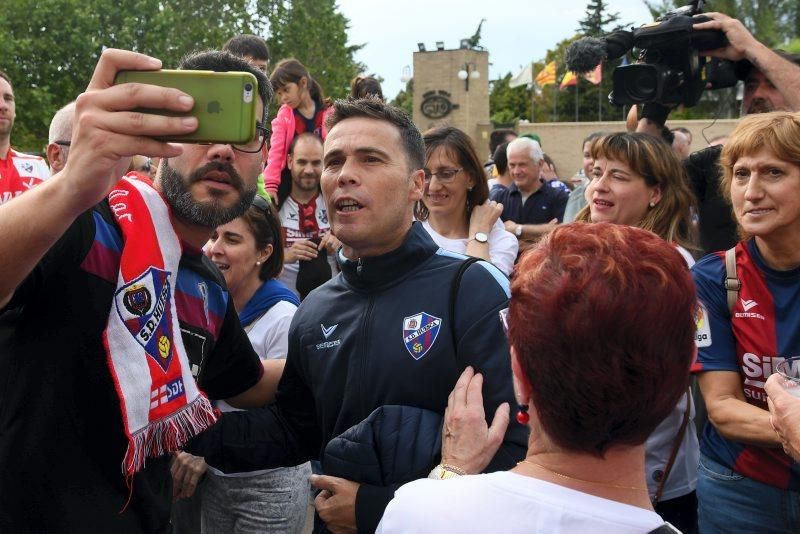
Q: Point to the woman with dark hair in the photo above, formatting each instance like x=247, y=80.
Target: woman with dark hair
x=364, y=86
x=591, y=394
x=750, y=323
x=456, y=210
x=249, y=252
x=304, y=108
x=638, y=180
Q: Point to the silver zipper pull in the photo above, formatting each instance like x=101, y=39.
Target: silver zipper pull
x=360, y=266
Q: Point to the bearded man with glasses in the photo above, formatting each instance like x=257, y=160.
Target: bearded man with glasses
x=115, y=330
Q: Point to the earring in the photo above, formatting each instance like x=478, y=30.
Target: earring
x=522, y=415
x=258, y=263
x=652, y=204
x=469, y=189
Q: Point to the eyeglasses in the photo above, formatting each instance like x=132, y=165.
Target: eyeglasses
x=444, y=176
x=62, y=143
x=257, y=142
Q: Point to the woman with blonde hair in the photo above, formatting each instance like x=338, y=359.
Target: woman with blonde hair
x=638, y=180
x=750, y=323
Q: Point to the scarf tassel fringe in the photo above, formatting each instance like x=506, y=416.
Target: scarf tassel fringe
x=168, y=435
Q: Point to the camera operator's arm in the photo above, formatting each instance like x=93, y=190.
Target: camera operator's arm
x=783, y=74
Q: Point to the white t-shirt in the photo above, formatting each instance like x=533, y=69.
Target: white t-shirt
x=509, y=503
x=503, y=246
x=683, y=476
x=269, y=336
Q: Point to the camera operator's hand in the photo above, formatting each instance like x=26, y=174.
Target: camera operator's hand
x=740, y=41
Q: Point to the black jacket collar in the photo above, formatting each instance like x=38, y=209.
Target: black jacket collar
x=367, y=274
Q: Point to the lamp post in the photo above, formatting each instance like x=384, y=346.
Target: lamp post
x=406, y=76
x=468, y=71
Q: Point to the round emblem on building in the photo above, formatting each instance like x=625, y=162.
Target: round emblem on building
x=436, y=106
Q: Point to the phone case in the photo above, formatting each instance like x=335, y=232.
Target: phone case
x=224, y=102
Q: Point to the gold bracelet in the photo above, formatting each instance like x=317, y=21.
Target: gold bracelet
x=453, y=469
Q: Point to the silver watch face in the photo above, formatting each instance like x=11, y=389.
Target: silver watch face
x=481, y=237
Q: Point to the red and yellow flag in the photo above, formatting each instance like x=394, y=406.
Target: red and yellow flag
x=547, y=76
x=595, y=77
x=568, y=79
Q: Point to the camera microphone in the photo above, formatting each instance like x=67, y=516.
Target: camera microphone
x=586, y=53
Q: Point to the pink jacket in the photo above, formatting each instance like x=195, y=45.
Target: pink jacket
x=283, y=126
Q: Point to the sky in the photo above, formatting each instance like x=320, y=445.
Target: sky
x=515, y=33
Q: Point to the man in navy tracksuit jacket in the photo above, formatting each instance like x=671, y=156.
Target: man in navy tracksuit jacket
x=379, y=333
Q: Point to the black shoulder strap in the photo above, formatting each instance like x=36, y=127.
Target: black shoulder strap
x=666, y=528
x=454, y=294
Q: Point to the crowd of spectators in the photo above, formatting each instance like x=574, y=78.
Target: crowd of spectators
x=325, y=323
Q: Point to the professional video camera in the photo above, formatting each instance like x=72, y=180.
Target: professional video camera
x=670, y=70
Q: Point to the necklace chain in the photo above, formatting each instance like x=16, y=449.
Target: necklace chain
x=567, y=477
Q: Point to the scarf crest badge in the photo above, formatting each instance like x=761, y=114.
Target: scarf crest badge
x=162, y=406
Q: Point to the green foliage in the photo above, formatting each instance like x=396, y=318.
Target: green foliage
x=314, y=32
x=405, y=98
x=597, y=19
x=507, y=103
x=49, y=47
x=793, y=46
x=552, y=104
x=504, y=118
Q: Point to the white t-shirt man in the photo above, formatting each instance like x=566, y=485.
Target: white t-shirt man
x=292, y=232
x=509, y=503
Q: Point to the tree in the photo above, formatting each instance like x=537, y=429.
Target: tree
x=507, y=105
x=405, y=98
x=597, y=19
x=314, y=32
x=50, y=47
x=54, y=58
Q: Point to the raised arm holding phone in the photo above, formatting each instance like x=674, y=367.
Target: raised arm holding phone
x=112, y=338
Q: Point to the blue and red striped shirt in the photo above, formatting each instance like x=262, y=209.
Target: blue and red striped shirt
x=763, y=329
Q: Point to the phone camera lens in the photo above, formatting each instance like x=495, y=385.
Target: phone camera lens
x=248, y=87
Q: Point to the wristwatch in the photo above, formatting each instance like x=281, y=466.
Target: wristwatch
x=518, y=230
x=481, y=237
x=445, y=471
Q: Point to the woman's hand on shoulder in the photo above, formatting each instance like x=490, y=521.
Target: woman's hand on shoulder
x=468, y=442
x=484, y=216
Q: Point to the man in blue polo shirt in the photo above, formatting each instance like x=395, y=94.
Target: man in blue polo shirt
x=530, y=210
